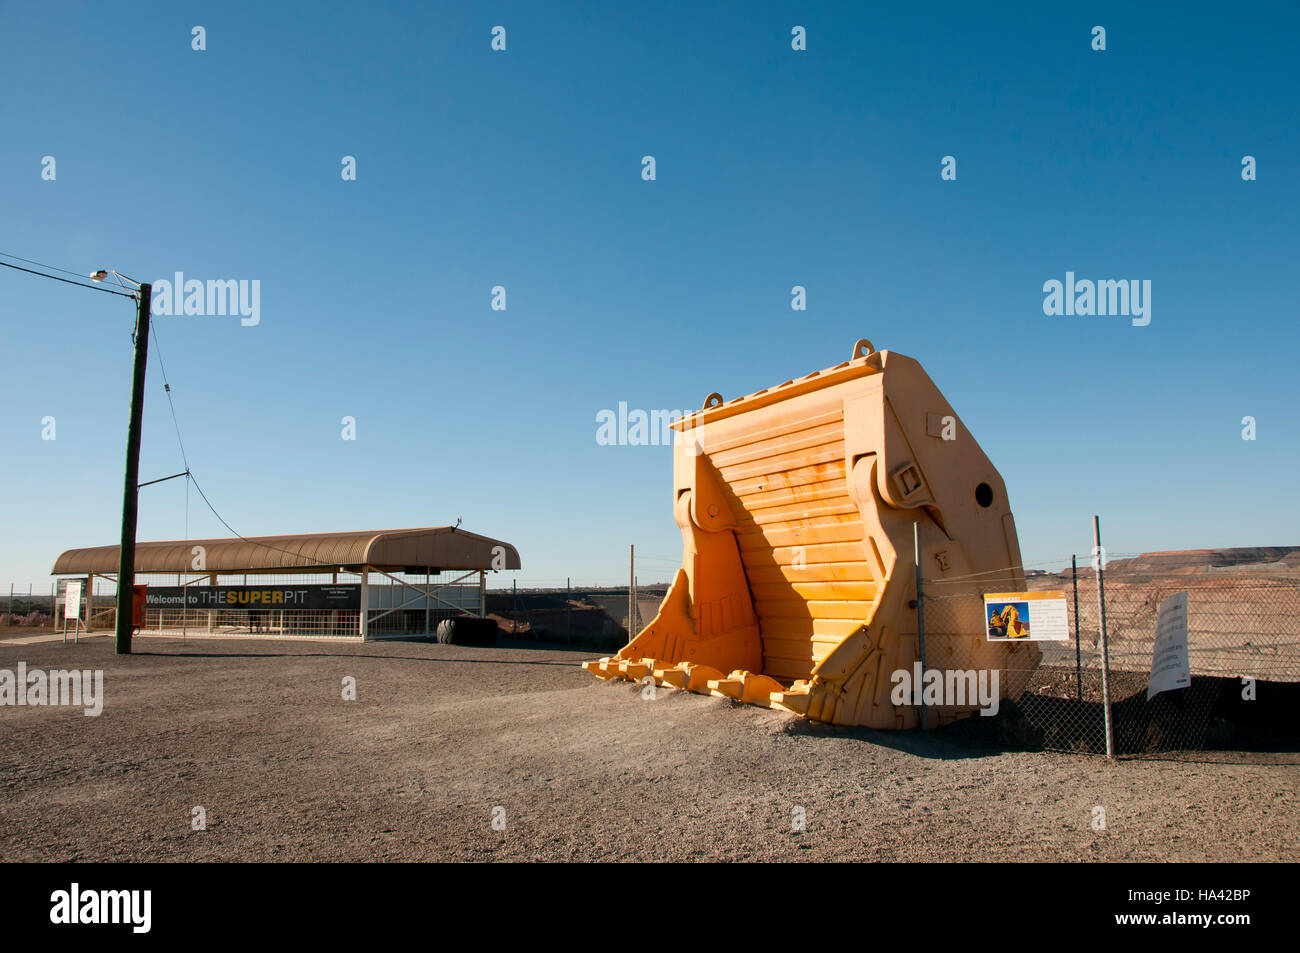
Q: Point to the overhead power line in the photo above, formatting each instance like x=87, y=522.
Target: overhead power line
x=41, y=264
x=41, y=274
x=167, y=387
x=255, y=542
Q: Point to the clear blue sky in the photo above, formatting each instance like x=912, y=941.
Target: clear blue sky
x=523, y=169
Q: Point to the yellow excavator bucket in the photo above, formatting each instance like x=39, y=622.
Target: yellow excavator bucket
x=797, y=507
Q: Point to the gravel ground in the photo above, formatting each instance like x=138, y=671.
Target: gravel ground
x=257, y=733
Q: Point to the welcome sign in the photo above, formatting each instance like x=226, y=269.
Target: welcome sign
x=245, y=598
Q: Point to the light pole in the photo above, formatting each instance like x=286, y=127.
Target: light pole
x=130, y=489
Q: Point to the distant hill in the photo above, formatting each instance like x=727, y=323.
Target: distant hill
x=1182, y=561
x=1280, y=563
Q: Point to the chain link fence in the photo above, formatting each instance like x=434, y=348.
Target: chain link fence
x=1243, y=650
x=26, y=606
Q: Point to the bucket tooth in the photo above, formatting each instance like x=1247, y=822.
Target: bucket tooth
x=733, y=686
x=794, y=699
x=796, y=702
x=677, y=676
x=699, y=676
x=635, y=671
x=752, y=688
x=759, y=689
x=599, y=668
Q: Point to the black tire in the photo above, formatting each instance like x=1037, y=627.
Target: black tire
x=467, y=631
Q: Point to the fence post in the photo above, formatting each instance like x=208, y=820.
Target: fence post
x=363, y=629
x=1078, y=656
x=920, y=616
x=1101, y=622
x=631, y=591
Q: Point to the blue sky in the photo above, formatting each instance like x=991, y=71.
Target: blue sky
x=522, y=168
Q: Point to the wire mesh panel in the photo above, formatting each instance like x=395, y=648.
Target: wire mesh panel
x=239, y=617
x=396, y=605
x=337, y=623
x=405, y=604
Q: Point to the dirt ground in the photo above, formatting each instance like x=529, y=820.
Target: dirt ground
x=441, y=740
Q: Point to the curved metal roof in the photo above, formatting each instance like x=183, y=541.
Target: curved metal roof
x=435, y=547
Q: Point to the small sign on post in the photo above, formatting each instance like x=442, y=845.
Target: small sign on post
x=1170, y=666
x=139, y=596
x=72, y=610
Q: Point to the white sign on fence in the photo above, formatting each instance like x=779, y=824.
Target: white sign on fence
x=1170, y=667
x=72, y=601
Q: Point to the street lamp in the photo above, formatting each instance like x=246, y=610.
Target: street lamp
x=130, y=492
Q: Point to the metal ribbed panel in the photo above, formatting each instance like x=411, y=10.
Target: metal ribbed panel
x=799, y=534
x=439, y=547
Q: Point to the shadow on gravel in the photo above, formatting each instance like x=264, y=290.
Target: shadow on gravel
x=345, y=655
x=1209, y=716
x=943, y=744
